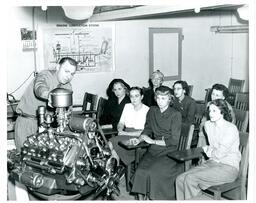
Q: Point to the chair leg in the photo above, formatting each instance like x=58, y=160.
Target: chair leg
x=243, y=193
x=217, y=195
x=127, y=177
x=137, y=197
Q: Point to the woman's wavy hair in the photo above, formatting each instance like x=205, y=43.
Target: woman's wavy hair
x=224, y=110
x=184, y=85
x=164, y=90
x=109, y=90
x=220, y=87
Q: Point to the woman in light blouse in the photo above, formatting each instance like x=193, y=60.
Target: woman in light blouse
x=222, y=151
x=130, y=124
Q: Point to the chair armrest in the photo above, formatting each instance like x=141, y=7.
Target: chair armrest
x=186, y=155
x=200, y=101
x=89, y=111
x=84, y=112
x=128, y=146
x=109, y=131
x=226, y=186
x=77, y=112
x=77, y=105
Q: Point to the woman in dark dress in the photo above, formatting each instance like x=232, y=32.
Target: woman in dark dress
x=183, y=103
x=117, y=98
x=156, y=173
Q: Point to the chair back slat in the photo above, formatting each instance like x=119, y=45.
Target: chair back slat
x=235, y=85
x=244, y=149
x=242, y=119
x=190, y=89
x=207, y=95
x=242, y=101
x=200, y=110
x=185, y=136
x=90, y=101
x=100, y=107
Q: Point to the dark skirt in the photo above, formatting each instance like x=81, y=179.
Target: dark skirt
x=156, y=175
x=126, y=156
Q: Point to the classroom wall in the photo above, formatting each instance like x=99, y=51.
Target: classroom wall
x=207, y=57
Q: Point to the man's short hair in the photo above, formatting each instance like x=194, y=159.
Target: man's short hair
x=222, y=88
x=69, y=59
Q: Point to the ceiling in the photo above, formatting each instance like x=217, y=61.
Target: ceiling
x=108, y=13
x=101, y=9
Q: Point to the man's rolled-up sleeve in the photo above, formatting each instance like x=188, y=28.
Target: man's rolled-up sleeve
x=41, y=87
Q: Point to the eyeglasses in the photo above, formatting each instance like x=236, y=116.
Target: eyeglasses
x=156, y=79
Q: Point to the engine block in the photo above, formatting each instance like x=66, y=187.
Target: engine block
x=76, y=160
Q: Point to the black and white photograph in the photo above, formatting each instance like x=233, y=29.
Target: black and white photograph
x=129, y=101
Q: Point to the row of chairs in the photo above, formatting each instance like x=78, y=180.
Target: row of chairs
x=242, y=117
x=92, y=106
x=234, y=190
x=240, y=100
x=95, y=108
x=235, y=88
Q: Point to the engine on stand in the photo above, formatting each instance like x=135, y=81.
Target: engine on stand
x=71, y=159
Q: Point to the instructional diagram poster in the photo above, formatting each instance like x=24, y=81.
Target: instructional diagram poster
x=91, y=45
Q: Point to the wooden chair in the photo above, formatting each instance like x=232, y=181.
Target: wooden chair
x=240, y=182
x=234, y=87
x=242, y=101
x=200, y=110
x=242, y=119
x=208, y=93
x=185, y=141
x=88, y=106
x=227, y=188
x=190, y=90
x=107, y=131
x=186, y=134
x=100, y=108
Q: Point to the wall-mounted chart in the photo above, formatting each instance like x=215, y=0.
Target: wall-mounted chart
x=91, y=45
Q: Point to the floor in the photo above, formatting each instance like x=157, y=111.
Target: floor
x=124, y=195
x=20, y=194
x=17, y=191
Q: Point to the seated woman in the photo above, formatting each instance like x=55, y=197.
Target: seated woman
x=182, y=102
x=223, y=152
x=156, y=173
x=218, y=91
x=155, y=81
x=117, y=99
x=131, y=124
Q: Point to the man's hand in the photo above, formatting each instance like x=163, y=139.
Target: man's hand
x=49, y=102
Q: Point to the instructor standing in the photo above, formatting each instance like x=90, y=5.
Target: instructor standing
x=37, y=94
